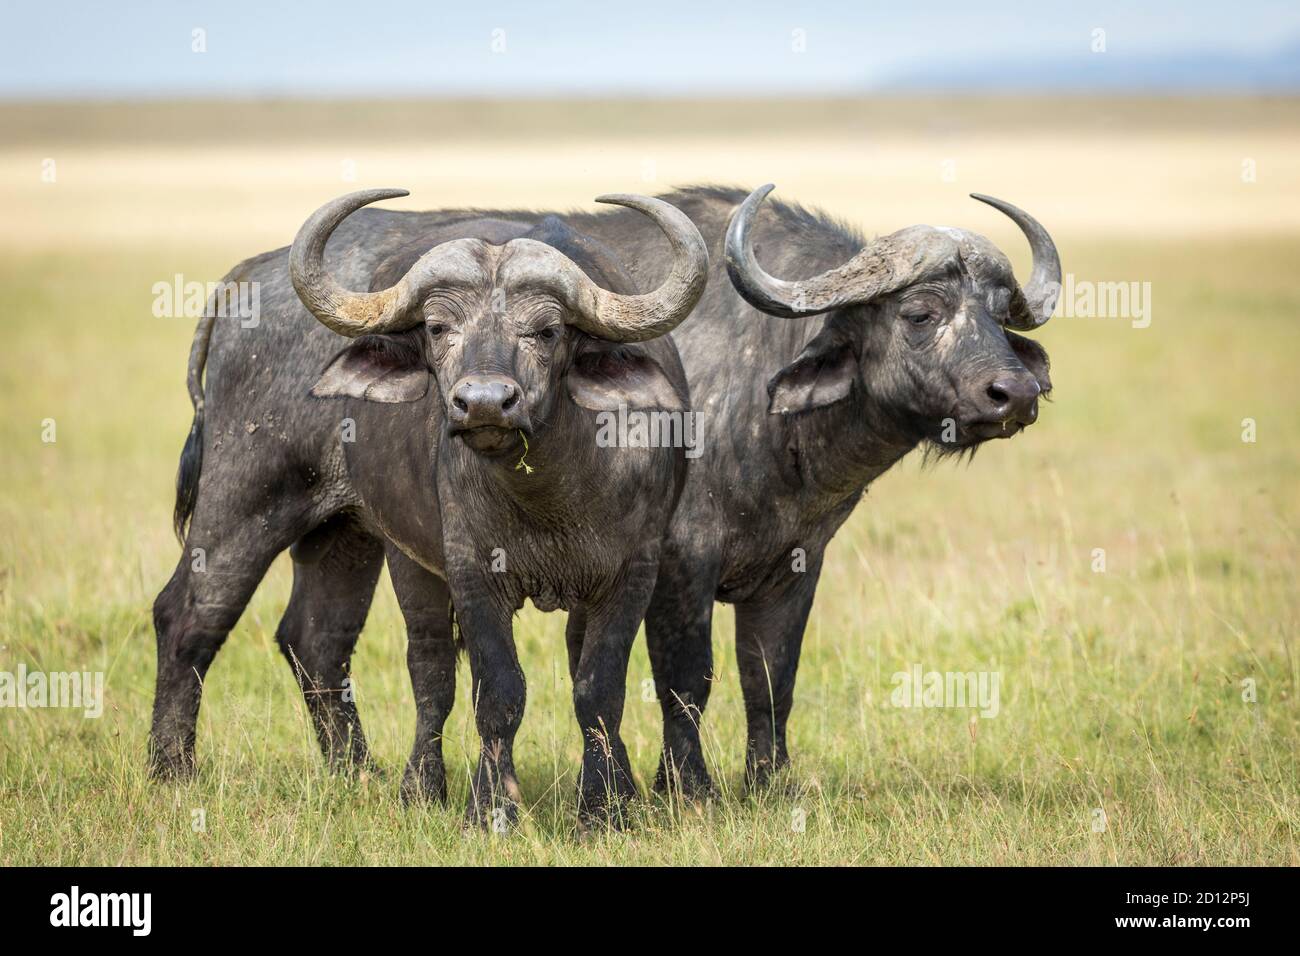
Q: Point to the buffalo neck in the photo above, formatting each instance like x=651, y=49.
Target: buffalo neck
x=841, y=448
x=547, y=476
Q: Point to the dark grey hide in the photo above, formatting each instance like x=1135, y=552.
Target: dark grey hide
x=358, y=464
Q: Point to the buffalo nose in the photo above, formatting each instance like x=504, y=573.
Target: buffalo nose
x=1015, y=398
x=478, y=400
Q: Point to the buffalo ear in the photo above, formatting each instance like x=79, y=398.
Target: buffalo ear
x=823, y=374
x=605, y=376
x=377, y=368
x=1034, y=357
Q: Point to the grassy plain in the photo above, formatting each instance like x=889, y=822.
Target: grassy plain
x=1121, y=690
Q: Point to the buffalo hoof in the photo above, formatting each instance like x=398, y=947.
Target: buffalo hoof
x=171, y=761
x=424, y=782
x=352, y=762
x=605, y=798
x=763, y=776
x=360, y=770
x=493, y=801
x=610, y=812
x=687, y=780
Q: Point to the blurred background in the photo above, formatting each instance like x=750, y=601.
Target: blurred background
x=1160, y=145
x=209, y=122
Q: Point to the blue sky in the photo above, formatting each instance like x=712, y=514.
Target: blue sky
x=395, y=47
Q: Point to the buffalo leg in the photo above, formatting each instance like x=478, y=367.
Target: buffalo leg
x=431, y=662
x=605, y=785
x=224, y=558
x=679, y=637
x=769, y=635
x=575, y=630
x=499, y=694
x=335, y=571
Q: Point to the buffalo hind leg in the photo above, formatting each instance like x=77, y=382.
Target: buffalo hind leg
x=224, y=559
x=679, y=637
x=769, y=635
x=335, y=569
x=431, y=662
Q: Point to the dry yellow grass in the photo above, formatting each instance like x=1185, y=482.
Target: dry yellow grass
x=212, y=175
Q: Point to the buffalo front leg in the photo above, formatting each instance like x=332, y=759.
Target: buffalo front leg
x=335, y=570
x=431, y=662
x=605, y=786
x=769, y=635
x=498, y=691
x=679, y=637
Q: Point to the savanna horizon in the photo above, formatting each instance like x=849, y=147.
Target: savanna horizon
x=1122, y=685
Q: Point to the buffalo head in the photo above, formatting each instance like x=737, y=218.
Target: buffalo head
x=922, y=325
x=503, y=328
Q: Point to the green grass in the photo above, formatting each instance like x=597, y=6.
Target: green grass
x=1120, y=690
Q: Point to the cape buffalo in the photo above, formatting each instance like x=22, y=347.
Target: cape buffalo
x=809, y=390
x=912, y=345
x=484, y=490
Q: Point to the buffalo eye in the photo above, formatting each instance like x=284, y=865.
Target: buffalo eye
x=547, y=334
x=920, y=317
x=436, y=328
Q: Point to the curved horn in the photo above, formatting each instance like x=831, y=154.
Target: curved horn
x=1037, y=300
x=635, y=318
x=884, y=265
x=347, y=313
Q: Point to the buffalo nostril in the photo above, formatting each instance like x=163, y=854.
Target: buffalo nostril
x=487, y=400
x=1015, y=398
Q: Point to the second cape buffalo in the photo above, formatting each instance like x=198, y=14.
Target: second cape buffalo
x=462, y=444
x=824, y=361
x=816, y=360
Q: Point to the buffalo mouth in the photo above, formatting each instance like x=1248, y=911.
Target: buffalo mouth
x=489, y=439
x=972, y=433
x=986, y=430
